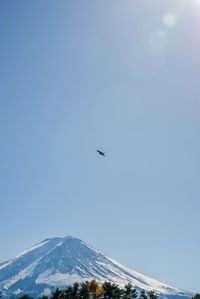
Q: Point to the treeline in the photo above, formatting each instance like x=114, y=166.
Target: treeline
x=93, y=290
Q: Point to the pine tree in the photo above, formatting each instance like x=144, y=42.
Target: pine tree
x=129, y=292
x=68, y=293
x=152, y=295
x=75, y=291
x=111, y=291
x=84, y=292
x=25, y=296
x=143, y=295
x=56, y=294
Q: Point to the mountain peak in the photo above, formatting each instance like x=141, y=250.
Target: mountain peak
x=58, y=262
x=71, y=238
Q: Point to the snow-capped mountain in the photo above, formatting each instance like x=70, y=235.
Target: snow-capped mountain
x=58, y=262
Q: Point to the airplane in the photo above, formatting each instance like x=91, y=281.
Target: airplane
x=101, y=153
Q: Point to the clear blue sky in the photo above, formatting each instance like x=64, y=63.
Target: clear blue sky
x=122, y=76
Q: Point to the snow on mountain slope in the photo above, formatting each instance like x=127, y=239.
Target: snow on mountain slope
x=58, y=262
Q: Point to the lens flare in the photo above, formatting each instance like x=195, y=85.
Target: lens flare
x=169, y=20
x=158, y=40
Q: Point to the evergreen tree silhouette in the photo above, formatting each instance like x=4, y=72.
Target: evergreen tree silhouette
x=129, y=292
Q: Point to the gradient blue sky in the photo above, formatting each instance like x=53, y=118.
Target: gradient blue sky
x=122, y=76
